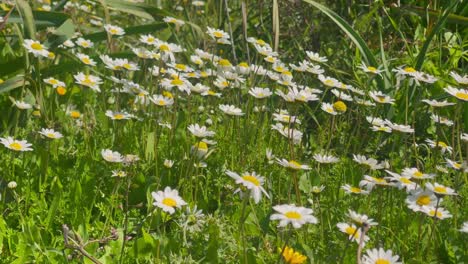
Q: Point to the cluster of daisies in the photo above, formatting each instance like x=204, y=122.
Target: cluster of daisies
x=208, y=75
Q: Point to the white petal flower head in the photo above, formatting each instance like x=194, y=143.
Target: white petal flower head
x=460, y=79
x=369, y=69
x=328, y=81
x=326, y=159
x=316, y=57
x=292, y=164
x=440, y=189
x=88, y=80
x=84, y=43
x=50, y=133
x=420, y=198
x=86, y=59
x=200, y=131
x=260, y=93
x=436, y=212
x=381, y=98
x=16, y=145
x=354, y=233
x=252, y=182
x=161, y=100
x=118, y=115
x=354, y=190
x=464, y=228
x=380, y=256
x=461, y=94
x=231, y=110
x=435, y=103
x=464, y=137
x=327, y=107
x=415, y=173
x=22, y=105
x=361, y=219
x=168, y=163
x=114, y=30
x=112, y=156
x=168, y=200
x=294, y=215
x=36, y=48
x=174, y=21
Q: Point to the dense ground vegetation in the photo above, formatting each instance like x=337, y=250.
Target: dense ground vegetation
x=220, y=131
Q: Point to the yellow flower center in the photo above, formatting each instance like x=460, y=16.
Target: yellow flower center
x=340, y=106
x=218, y=34
x=16, y=146
x=442, y=144
x=53, y=81
x=355, y=190
x=113, y=31
x=86, y=60
x=423, y=200
x=118, y=116
x=418, y=174
x=127, y=66
x=50, y=135
x=409, y=69
x=463, y=96
x=164, y=47
x=381, y=98
x=161, y=102
x=293, y=215
x=51, y=55
x=201, y=145
x=382, y=261
x=169, y=202
x=251, y=179
x=329, y=82
x=294, y=164
x=88, y=81
x=150, y=40
x=433, y=212
x=351, y=231
x=224, y=63
x=260, y=42
x=85, y=44
x=211, y=92
x=440, y=189
x=371, y=69
x=181, y=67
x=243, y=65
x=177, y=82
x=405, y=180
x=36, y=46
x=279, y=69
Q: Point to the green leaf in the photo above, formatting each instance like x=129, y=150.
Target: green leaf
x=41, y=19
x=138, y=9
x=352, y=34
x=27, y=18
x=142, y=29
x=13, y=83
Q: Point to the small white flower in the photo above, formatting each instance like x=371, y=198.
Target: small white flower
x=260, y=93
x=252, y=182
x=16, y=145
x=291, y=214
x=231, y=110
x=50, y=133
x=292, y=164
x=114, y=30
x=377, y=256
x=316, y=57
x=112, y=156
x=200, y=131
x=168, y=200
x=168, y=163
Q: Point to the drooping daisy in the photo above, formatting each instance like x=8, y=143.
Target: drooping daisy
x=361, y=219
x=326, y=159
x=353, y=232
x=400, y=128
x=161, y=100
x=316, y=57
x=174, y=21
x=50, y=133
x=252, y=182
x=288, y=132
x=441, y=120
x=292, y=164
x=292, y=257
x=440, y=144
x=118, y=115
x=461, y=94
x=291, y=214
x=436, y=212
x=231, y=110
x=460, y=79
x=168, y=200
x=260, y=93
x=22, y=105
x=200, y=131
x=86, y=59
x=454, y=165
x=16, y=145
x=114, y=30
x=369, y=69
x=420, y=198
x=371, y=162
x=440, y=189
x=353, y=190
x=380, y=256
x=435, y=103
x=36, y=48
x=88, y=80
x=111, y=156
x=381, y=98
x=327, y=107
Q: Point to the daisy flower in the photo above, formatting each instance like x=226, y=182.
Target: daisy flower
x=353, y=190
x=50, y=133
x=316, y=57
x=168, y=163
x=419, y=198
x=112, y=156
x=369, y=69
x=371, y=162
x=84, y=43
x=381, y=98
x=464, y=228
x=288, y=132
x=22, y=105
x=114, y=30
x=260, y=93
x=328, y=81
x=86, y=59
x=218, y=34
x=200, y=131
x=400, y=128
x=439, y=189
x=231, y=110
x=168, y=200
x=291, y=214
x=454, y=165
x=353, y=232
x=402, y=71
x=400, y=181
x=380, y=256
x=250, y=181
x=119, y=173
x=326, y=159
x=435, y=103
x=54, y=82
x=174, y=21
x=442, y=145
x=415, y=173
x=441, y=120
x=118, y=115
x=460, y=79
x=88, y=80
x=327, y=107
x=436, y=212
x=461, y=94
x=161, y=100
x=464, y=137
x=16, y=145
x=292, y=164
x=36, y=48
x=361, y=219
x=284, y=117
